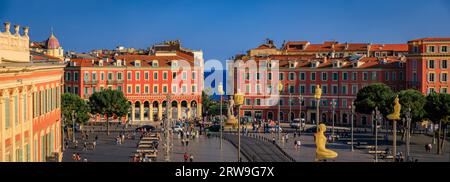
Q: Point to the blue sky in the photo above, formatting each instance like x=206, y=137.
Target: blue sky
x=223, y=28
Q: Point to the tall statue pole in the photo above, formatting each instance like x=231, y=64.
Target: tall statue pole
x=280, y=90
x=394, y=117
x=168, y=128
x=317, y=96
x=221, y=92
x=239, y=101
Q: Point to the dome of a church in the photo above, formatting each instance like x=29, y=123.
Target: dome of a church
x=52, y=42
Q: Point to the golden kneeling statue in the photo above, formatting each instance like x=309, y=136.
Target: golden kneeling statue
x=321, y=151
x=397, y=107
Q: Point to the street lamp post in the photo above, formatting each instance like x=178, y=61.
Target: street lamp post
x=167, y=128
x=352, y=109
x=333, y=106
x=221, y=92
x=408, y=135
x=73, y=126
x=238, y=101
x=300, y=101
x=290, y=107
x=280, y=89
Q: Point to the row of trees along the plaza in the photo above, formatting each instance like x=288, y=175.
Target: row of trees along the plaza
x=434, y=107
x=108, y=103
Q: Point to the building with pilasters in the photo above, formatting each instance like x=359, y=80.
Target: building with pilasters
x=30, y=92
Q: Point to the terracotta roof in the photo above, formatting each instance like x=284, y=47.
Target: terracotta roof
x=431, y=39
x=389, y=47
x=339, y=47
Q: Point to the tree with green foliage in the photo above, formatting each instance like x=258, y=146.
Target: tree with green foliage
x=74, y=109
x=438, y=111
x=207, y=102
x=109, y=103
x=374, y=95
x=415, y=101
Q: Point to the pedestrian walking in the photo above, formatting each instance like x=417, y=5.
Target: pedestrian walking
x=186, y=157
x=84, y=146
x=96, y=137
x=191, y=158
x=94, y=143
x=187, y=142
x=273, y=140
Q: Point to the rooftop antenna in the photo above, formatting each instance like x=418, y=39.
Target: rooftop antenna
x=51, y=29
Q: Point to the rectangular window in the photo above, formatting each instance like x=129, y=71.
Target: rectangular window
x=335, y=76
x=86, y=91
x=24, y=109
x=165, y=75
x=444, y=90
x=138, y=75
x=345, y=76
x=16, y=110
x=400, y=75
x=184, y=76
x=444, y=64
x=155, y=75
x=431, y=49
x=75, y=76
x=165, y=89
x=258, y=76
x=194, y=75
x=7, y=113
x=94, y=76
x=344, y=89
x=129, y=89
x=155, y=89
x=247, y=88
x=281, y=76
x=258, y=88
x=137, y=89
x=431, y=77
x=324, y=76
x=302, y=76
x=183, y=89
x=174, y=88
x=386, y=76
x=354, y=76
x=344, y=103
x=119, y=76
x=129, y=75
x=194, y=89
x=302, y=89
x=354, y=89
x=373, y=76
x=291, y=89
x=119, y=88
x=335, y=89
x=269, y=76
x=365, y=76
x=68, y=76
x=431, y=64
x=146, y=75
x=443, y=77
x=324, y=89
x=248, y=102
x=146, y=89
x=394, y=76
x=313, y=76
x=86, y=75
x=247, y=76
x=102, y=76
x=312, y=89
x=291, y=76
x=444, y=49
x=110, y=76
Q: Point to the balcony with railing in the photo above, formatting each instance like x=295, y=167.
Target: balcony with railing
x=112, y=82
x=90, y=82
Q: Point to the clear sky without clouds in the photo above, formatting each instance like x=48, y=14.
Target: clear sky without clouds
x=223, y=28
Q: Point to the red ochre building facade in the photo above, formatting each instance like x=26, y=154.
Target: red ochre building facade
x=145, y=80
x=341, y=69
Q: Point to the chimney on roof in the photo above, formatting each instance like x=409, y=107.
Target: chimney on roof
x=368, y=49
